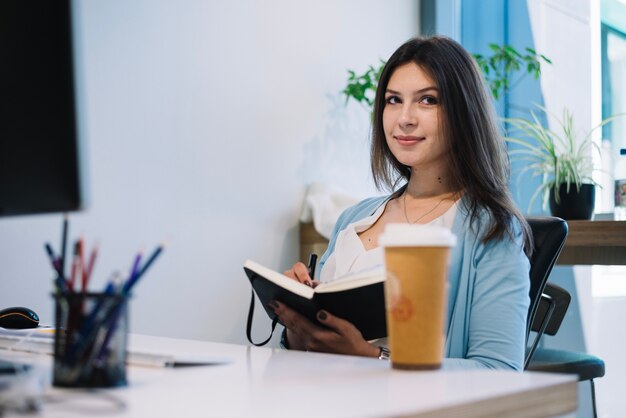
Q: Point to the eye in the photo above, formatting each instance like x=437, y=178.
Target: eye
x=429, y=100
x=392, y=100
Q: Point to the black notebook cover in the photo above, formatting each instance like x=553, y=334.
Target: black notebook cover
x=362, y=305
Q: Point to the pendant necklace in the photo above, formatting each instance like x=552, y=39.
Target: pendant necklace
x=430, y=211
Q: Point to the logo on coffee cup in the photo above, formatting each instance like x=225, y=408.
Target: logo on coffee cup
x=401, y=307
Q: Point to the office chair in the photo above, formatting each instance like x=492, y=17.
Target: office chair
x=553, y=306
x=548, y=306
x=549, y=234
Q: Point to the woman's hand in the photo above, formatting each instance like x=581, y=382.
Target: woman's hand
x=300, y=272
x=337, y=336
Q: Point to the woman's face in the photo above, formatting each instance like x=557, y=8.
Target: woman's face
x=411, y=119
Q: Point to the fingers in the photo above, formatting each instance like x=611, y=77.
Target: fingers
x=336, y=335
x=346, y=339
x=340, y=326
x=300, y=272
x=292, y=319
x=308, y=336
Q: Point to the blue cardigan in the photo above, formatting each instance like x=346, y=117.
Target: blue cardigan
x=488, y=294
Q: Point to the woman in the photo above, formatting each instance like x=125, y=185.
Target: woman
x=434, y=133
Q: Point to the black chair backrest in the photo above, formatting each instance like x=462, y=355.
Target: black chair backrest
x=549, y=234
x=552, y=307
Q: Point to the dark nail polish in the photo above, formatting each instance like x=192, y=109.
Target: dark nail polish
x=321, y=315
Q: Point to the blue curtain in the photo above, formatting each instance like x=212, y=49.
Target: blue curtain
x=506, y=22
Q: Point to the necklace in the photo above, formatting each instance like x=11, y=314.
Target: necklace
x=406, y=216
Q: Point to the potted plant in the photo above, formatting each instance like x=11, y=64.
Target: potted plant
x=562, y=159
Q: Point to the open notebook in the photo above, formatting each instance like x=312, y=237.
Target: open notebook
x=357, y=297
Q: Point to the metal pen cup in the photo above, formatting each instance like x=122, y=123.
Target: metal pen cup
x=90, y=340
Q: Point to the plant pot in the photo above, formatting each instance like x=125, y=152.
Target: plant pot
x=577, y=204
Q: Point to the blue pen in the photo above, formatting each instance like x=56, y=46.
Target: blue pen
x=134, y=279
x=55, y=262
x=88, y=323
x=134, y=269
x=86, y=334
x=61, y=285
x=113, y=319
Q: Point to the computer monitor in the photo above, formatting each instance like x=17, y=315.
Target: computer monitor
x=39, y=148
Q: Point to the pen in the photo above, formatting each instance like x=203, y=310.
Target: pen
x=312, y=263
x=55, y=261
x=90, y=264
x=74, y=267
x=81, y=262
x=135, y=268
x=135, y=278
x=63, y=244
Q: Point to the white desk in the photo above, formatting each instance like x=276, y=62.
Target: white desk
x=262, y=382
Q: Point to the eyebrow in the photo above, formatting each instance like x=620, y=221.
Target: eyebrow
x=425, y=89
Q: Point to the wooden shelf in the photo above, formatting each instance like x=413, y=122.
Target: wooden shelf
x=311, y=241
x=595, y=242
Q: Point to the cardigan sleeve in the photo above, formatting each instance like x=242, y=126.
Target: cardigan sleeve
x=498, y=307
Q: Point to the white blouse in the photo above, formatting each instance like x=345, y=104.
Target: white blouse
x=350, y=256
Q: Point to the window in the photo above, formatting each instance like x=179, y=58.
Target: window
x=614, y=85
x=609, y=281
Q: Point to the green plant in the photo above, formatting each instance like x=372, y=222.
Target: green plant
x=559, y=157
x=499, y=67
x=362, y=88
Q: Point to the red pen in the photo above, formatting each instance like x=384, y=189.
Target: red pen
x=81, y=261
x=90, y=264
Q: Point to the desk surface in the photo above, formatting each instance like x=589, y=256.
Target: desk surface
x=263, y=382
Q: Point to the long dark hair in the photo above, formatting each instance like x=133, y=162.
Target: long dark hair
x=477, y=156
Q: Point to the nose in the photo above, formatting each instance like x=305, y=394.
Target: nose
x=408, y=117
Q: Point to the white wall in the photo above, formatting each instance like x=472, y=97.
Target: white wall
x=204, y=122
x=563, y=32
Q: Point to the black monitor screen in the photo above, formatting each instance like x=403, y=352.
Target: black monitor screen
x=39, y=170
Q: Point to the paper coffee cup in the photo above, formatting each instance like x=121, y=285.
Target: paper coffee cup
x=416, y=261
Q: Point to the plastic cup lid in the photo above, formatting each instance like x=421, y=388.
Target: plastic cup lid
x=407, y=235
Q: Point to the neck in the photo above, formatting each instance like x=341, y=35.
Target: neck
x=425, y=185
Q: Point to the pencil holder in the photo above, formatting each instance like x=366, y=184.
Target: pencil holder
x=90, y=340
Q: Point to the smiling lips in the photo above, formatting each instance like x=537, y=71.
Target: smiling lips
x=408, y=140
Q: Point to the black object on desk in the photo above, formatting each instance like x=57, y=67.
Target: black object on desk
x=18, y=317
x=8, y=367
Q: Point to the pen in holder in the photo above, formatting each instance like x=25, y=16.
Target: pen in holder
x=90, y=339
x=91, y=328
